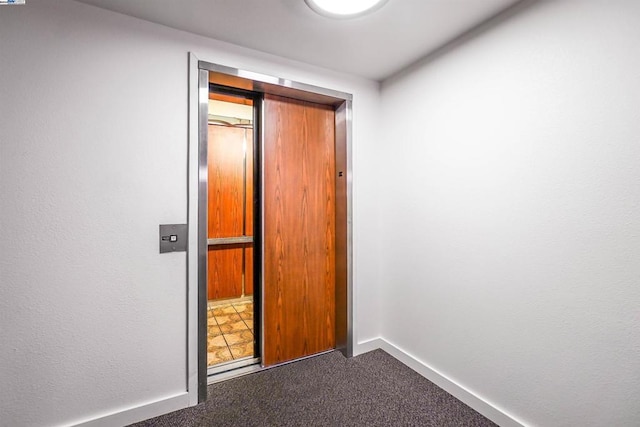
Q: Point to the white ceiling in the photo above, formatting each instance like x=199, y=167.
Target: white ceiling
x=373, y=46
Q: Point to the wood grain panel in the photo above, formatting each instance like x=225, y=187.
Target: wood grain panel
x=248, y=266
x=224, y=278
x=231, y=81
x=248, y=282
x=230, y=98
x=226, y=204
x=226, y=197
x=249, y=196
x=299, y=229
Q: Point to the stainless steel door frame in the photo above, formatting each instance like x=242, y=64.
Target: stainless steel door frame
x=261, y=83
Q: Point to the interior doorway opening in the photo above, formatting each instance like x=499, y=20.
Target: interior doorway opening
x=231, y=209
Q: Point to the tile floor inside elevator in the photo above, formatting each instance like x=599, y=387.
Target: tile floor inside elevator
x=229, y=332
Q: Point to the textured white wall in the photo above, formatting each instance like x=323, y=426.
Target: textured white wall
x=511, y=215
x=93, y=156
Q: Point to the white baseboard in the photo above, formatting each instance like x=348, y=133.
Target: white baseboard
x=461, y=393
x=138, y=413
x=367, y=346
x=181, y=400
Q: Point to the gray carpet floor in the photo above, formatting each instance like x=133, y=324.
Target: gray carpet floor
x=372, y=389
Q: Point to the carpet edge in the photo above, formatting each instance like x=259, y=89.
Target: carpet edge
x=473, y=400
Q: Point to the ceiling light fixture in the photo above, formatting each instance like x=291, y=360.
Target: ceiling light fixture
x=344, y=8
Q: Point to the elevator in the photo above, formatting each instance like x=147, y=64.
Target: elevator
x=274, y=234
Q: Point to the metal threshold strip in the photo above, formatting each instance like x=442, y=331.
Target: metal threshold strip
x=234, y=373
x=235, y=369
x=230, y=240
x=234, y=364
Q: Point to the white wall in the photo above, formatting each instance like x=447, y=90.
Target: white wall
x=511, y=222
x=93, y=156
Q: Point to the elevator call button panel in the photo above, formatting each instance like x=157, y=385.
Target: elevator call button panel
x=173, y=238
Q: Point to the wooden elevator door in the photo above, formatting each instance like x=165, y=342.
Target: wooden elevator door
x=299, y=229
